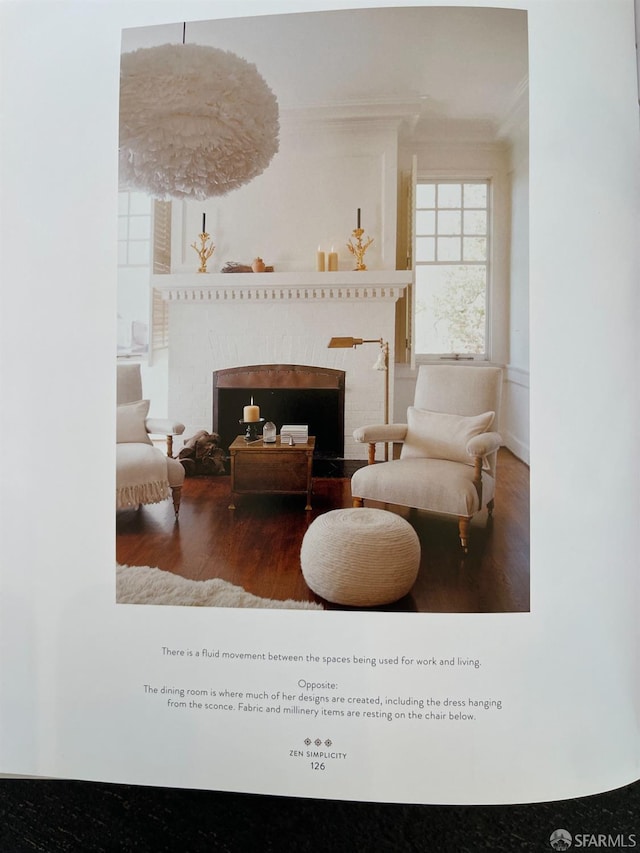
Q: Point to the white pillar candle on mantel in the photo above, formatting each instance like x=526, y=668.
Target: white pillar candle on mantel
x=333, y=261
x=251, y=414
x=319, y=260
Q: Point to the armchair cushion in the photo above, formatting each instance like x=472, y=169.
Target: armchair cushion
x=435, y=485
x=439, y=435
x=130, y=423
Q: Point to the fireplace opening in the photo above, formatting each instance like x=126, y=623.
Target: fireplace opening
x=286, y=394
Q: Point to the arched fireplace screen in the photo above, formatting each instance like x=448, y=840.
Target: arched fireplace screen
x=286, y=394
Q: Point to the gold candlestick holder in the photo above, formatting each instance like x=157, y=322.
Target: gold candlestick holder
x=203, y=251
x=358, y=248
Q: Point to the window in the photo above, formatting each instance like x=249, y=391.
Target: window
x=452, y=231
x=134, y=254
x=134, y=229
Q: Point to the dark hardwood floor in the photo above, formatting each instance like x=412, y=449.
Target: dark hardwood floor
x=257, y=546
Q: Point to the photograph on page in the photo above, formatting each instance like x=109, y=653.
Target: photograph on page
x=317, y=255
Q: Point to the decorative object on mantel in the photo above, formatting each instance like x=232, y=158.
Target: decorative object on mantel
x=195, y=121
x=358, y=248
x=234, y=266
x=204, y=251
x=258, y=265
x=319, y=260
x=381, y=363
x=332, y=264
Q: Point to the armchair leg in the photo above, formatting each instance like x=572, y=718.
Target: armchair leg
x=463, y=527
x=372, y=453
x=357, y=502
x=169, y=445
x=176, y=494
x=490, y=507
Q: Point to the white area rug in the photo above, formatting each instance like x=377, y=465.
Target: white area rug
x=146, y=585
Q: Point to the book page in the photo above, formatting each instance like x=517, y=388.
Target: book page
x=358, y=705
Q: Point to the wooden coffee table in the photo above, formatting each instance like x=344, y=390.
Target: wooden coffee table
x=271, y=469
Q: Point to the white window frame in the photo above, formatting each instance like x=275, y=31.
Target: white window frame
x=128, y=241
x=460, y=177
x=126, y=264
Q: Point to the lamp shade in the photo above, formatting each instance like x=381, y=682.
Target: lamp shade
x=195, y=121
x=344, y=343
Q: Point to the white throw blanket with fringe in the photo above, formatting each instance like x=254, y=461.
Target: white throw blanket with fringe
x=141, y=475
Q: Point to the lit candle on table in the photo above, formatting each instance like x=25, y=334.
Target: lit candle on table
x=251, y=413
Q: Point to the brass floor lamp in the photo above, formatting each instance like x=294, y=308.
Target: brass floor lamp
x=382, y=363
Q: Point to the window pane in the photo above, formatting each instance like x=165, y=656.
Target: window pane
x=450, y=309
x=122, y=253
x=426, y=222
x=475, y=195
x=449, y=222
x=123, y=204
x=139, y=228
x=475, y=249
x=425, y=195
x=425, y=249
x=139, y=203
x=475, y=222
x=449, y=195
x=138, y=253
x=123, y=223
x=449, y=249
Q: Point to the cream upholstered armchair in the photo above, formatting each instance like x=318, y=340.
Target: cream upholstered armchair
x=447, y=463
x=144, y=474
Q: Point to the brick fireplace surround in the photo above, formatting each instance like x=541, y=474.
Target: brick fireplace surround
x=219, y=321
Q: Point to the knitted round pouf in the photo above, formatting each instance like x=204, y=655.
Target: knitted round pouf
x=360, y=557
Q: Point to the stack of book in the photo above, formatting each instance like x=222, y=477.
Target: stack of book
x=299, y=433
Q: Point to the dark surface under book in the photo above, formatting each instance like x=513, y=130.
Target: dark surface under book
x=54, y=816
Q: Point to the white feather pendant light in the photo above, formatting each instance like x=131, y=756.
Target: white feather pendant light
x=195, y=121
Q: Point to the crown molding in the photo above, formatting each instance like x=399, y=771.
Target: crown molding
x=388, y=113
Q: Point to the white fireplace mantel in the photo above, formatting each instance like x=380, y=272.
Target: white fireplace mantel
x=375, y=285
x=221, y=320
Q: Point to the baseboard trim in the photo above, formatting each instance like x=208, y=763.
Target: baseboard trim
x=518, y=448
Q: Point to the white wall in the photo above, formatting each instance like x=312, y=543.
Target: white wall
x=308, y=197
x=515, y=426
